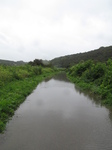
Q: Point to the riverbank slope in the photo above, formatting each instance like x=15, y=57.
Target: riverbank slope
x=16, y=83
x=94, y=77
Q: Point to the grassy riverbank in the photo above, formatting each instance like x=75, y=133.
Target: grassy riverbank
x=95, y=77
x=15, y=84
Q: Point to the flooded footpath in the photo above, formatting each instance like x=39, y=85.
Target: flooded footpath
x=57, y=116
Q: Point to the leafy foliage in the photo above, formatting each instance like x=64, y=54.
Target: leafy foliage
x=11, y=73
x=94, y=76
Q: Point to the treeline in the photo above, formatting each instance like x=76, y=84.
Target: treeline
x=94, y=76
x=102, y=54
x=36, y=62
x=40, y=62
x=11, y=63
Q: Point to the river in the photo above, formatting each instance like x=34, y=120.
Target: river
x=57, y=116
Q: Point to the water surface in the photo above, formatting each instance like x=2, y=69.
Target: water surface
x=57, y=116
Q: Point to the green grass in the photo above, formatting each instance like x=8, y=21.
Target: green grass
x=13, y=93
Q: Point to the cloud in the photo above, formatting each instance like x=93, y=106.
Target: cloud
x=32, y=29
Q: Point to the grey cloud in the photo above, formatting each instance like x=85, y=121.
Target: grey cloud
x=47, y=29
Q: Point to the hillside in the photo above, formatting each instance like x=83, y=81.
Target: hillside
x=102, y=54
x=12, y=63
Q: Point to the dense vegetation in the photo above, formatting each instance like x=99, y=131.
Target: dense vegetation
x=102, y=54
x=95, y=77
x=16, y=82
x=41, y=62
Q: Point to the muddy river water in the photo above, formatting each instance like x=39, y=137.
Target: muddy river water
x=57, y=116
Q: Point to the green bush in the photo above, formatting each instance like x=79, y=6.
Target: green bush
x=80, y=68
x=95, y=75
x=11, y=73
x=95, y=72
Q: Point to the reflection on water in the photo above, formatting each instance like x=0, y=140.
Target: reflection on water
x=59, y=77
x=110, y=114
x=57, y=116
x=94, y=98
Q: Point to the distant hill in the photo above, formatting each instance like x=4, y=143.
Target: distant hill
x=12, y=63
x=102, y=54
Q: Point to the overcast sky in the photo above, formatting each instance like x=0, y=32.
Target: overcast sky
x=45, y=29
